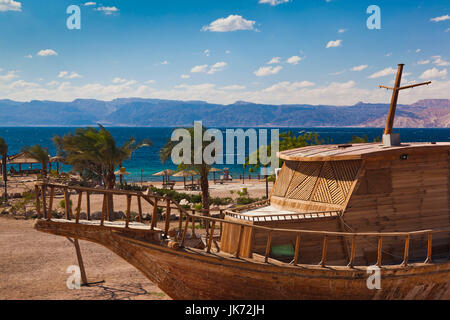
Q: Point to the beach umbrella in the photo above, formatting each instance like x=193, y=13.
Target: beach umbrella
x=122, y=172
x=164, y=173
x=214, y=170
x=184, y=174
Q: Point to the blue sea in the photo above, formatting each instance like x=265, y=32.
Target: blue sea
x=145, y=161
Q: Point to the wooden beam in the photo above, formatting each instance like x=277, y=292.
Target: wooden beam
x=155, y=214
x=50, y=205
x=380, y=251
x=211, y=235
x=141, y=218
x=38, y=202
x=44, y=205
x=127, y=222
x=88, y=203
x=268, y=246
x=297, y=249
x=168, y=209
x=80, y=196
x=429, y=248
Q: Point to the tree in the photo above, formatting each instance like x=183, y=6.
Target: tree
x=94, y=152
x=363, y=139
x=202, y=169
x=3, y=154
x=288, y=141
x=40, y=154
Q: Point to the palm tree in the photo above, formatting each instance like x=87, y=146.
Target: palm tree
x=95, y=152
x=3, y=154
x=202, y=169
x=40, y=154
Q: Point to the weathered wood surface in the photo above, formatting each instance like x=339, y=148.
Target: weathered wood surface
x=195, y=274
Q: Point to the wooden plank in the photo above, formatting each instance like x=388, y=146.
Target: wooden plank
x=88, y=203
x=155, y=214
x=127, y=222
x=38, y=202
x=80, y=195
x=168, y=212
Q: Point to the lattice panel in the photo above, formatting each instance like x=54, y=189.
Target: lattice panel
x=334, y=183
x=284, y=178
x=303, y=181
x=324, y=182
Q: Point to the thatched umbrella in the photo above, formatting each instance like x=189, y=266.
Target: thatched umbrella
x=165, y=173
x=122, y=172
x=186, y=173
x=56, y=159
x=214, y=170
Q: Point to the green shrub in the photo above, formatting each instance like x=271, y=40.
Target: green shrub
x=62, y=203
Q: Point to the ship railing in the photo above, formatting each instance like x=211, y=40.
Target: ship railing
x=191, y=216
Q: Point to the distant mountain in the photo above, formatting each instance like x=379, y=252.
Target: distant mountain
x=173, y=113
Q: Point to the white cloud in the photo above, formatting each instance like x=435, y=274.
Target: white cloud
x=288, y=86
x=440, y=62
x=418, y=50
x=441, y=18
x=337, y=73
x=388, y=54
x=67, y=75
x=90, y=4
x=207, y=52
x=199, y=69
x=165, y=62
x=383, y=73
x=294, y=60
x=334, y=44
x=29, y=56
x=448, y=29
x=434, y=73
x=9, y=76
x=228, y=52
x=231, y=23
x=150, y=81
x=219, y=66
x=47, y=52
x=185, y=76
x=233, y=87
x=107, y=10
x=265, y=71
x=10, y=5
x=360, y=68
x=421, y=62
x=342, y=30
x=274, y=60
x=273, y=2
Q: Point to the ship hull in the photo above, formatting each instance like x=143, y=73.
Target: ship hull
x=191, y=274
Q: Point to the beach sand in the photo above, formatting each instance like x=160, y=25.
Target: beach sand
x=33, y=265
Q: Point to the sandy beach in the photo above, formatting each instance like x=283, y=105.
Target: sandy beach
x=33, y=265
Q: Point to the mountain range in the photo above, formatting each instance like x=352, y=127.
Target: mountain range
x=430, y=113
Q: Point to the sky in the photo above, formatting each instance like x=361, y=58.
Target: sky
x=264, y=51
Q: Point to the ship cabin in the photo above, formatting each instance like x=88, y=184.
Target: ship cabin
x=359, y=188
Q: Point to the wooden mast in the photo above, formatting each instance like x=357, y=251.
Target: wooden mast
x=391, y=115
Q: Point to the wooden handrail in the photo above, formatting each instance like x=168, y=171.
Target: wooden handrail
x=192, y=216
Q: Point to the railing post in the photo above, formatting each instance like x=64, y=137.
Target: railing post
x=44, y=205
x=168, y=211
x=141, y=218
x=104, y=208
x=88, y=203
x=352, y=252
x=406, y=255
x=50, y=205
x=185, y=231
x=80, y=195
x=429, y=248
x=379, y=251
x=67, y=203
x=324, y=251
x=221, y=217
x=38, y=202
x=211, y=234
x=127, y=222
x=155, y=214
x=268, y=246
x=297, y=249
x=241, y=233
x=193, y=224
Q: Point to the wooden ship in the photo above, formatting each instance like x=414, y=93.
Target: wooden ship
x=335, y=213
